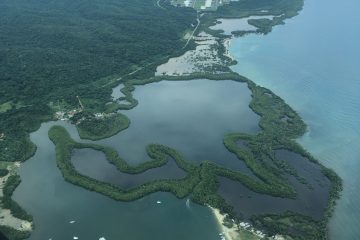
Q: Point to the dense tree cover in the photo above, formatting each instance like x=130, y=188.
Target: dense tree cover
x=56, y=50
x=181, y=188
x=2, y=236
x=7, y=233
x=50, y=47
x=99, y=128
x=291, y=224
x=245, y=8
x=3, y=172
x=6, y=201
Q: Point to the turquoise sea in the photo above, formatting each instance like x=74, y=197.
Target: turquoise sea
x=313, y=62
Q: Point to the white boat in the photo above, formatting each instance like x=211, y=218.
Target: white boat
x=188, y=203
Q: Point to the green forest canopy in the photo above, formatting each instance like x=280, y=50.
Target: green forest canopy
x=53, y=51
x=56, y=50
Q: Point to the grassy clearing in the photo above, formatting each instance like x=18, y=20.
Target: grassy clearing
x=5, y=107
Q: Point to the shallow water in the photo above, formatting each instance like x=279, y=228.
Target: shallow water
x=116, y=93
x=313, y=63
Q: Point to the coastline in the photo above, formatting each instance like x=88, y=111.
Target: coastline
x=226, y=232
x=336, y=181
x=227, y=43
x=238, y=231
x=7, y=219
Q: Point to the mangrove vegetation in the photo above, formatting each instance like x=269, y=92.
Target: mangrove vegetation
x=280, y=125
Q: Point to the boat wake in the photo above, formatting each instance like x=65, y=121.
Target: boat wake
x=188, y=203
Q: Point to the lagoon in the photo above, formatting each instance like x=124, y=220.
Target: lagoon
x=179, y=114
x=190, y=116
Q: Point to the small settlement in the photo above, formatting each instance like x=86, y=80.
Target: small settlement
x=65, y=116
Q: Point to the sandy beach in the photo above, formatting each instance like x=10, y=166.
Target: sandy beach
x=227, y=233
x=227, y=46
x=241, y=231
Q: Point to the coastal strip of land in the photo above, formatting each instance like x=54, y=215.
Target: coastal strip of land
x=14, y=222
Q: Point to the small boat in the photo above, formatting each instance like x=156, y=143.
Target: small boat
x=72, y=222
x=188, y=203
x=158, y=202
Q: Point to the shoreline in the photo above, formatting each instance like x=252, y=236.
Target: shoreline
x=6, y=217
x=227, y=44
x=336, y=187
x=239, y=231
x=226, y=233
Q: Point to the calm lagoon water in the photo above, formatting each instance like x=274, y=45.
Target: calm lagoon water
x=190, y=116
x=313, y=63
x=311, y=197
x=186, y=115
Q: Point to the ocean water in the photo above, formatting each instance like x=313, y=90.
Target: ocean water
x=313, y=62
